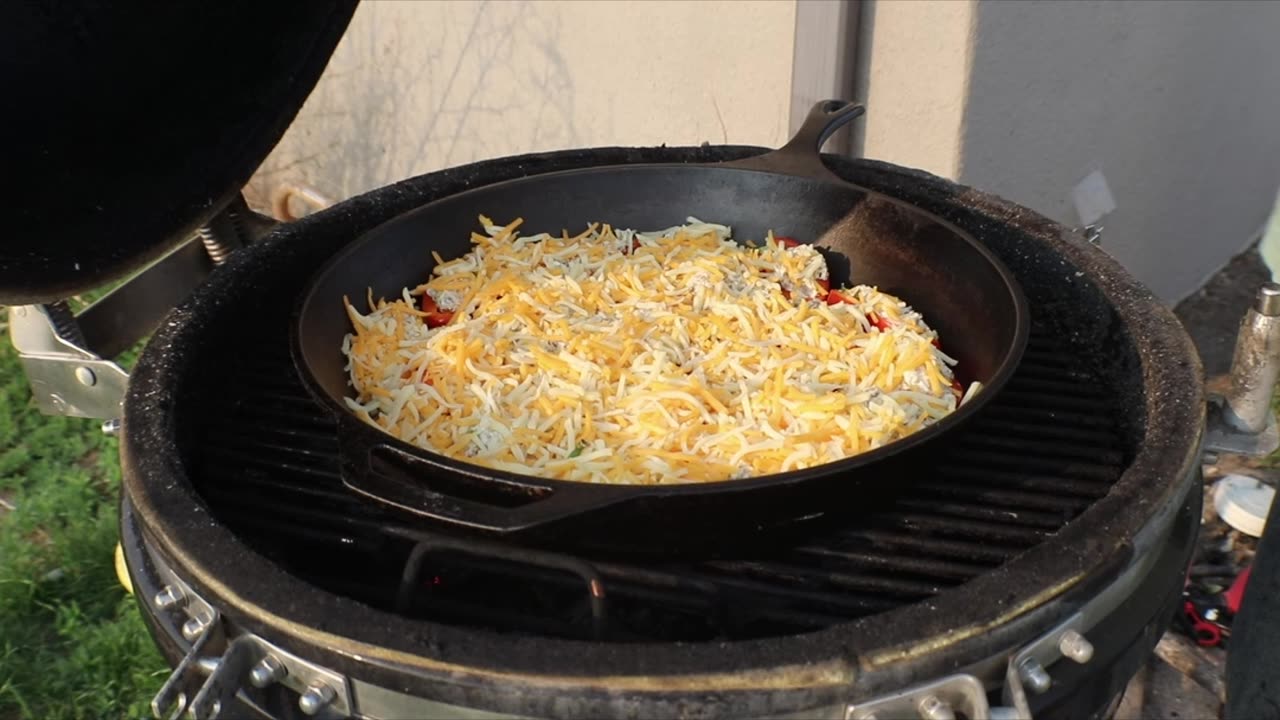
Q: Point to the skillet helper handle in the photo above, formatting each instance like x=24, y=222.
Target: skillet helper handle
x=823, y=120
x=497, y=503
x=801, y=156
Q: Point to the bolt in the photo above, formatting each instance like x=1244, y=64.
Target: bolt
x=1075, y=647
x=1212, y=614
x=170, y=596
x=59, y=404
x=269, y=670
x=208, y=665
x=111, y=427
x=86, y=377
x=1033, y=676
x=931, y=708
x=317, y=695
x=196, y=626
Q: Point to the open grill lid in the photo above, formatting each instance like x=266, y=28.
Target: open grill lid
x=131, y=125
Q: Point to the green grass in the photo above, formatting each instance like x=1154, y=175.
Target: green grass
x=72, y=644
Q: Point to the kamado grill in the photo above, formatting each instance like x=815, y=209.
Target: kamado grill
x=1026, y=567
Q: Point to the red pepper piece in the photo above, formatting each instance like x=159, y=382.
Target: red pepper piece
x=435, y=316
x=824, y=289
x=880, y=323
x=786, y=242
x=835, y=297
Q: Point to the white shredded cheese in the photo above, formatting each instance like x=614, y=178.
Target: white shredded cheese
x=621, y=356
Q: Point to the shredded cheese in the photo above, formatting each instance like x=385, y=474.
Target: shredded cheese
x=665, y=357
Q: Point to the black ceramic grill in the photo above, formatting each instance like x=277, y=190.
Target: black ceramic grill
x=1071, y=494
x=1039, y=455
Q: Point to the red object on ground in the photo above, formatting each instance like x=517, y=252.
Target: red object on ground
x=1235, y=594
x=1205, y=633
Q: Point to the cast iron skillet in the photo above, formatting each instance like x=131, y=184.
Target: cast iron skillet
x=963, y=291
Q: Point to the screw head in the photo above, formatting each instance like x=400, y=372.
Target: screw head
x=112, y=427
x=1075, y=647
x=931, y=707
x=86, y=377
x=268, y=671
x=169, y=597
x=196, y=626
x=317, y=695
x=1033, y=676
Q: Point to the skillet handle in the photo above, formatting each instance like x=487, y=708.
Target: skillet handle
x=493, y=501
x=801, y=155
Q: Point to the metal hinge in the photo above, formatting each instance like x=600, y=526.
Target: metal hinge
x=66, y=357
x=66, y=379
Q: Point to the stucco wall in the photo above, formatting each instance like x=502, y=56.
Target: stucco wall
x=416, y=86
x=1177, y=104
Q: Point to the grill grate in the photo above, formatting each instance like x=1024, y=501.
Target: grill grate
x=1048, y=446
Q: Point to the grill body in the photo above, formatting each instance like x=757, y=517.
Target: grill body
x=1073, y=484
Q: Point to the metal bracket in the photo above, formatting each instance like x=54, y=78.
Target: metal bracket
x=208, y=679
x=945, y=699
x=66, y=379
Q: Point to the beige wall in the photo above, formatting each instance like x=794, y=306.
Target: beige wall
x=913, y=73
x=1177, y=104
x=417, y=86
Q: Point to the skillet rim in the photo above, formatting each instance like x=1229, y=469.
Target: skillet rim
x=348, y=421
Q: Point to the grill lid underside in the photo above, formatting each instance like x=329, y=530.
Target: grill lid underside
x=133, y=125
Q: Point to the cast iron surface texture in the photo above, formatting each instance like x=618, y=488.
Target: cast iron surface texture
x=134, y=123
x=1164, y=405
